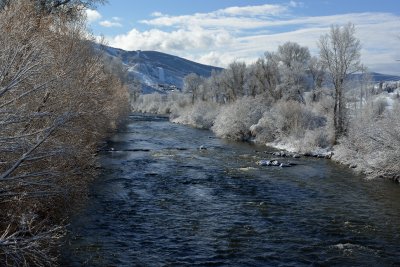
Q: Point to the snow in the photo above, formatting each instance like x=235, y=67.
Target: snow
x=392, y=98
x=287, y=146
x=292, y=147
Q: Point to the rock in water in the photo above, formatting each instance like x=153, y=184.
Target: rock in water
x=264, y=162
x=284, y=165
x=275, y=163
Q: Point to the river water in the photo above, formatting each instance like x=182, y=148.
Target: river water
x=162, y=201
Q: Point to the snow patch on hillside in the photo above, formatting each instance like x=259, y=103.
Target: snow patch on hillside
x=158, y=72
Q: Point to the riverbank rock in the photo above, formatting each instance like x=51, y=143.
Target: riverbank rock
x=315, y=154
x=324, y=155
x=284, y=154
x=275, y=163
x=280, y=154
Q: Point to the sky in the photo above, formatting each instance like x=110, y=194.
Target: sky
x=218, y=32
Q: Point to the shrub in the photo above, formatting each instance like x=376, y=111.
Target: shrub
x=265, y=130
x=287, y=118
x=234, y=120
x=373, y=143
x=314, y=139
x=294, y=118
x=157, y=103
x=149, y=103
x=200, y=115
x=294, y=124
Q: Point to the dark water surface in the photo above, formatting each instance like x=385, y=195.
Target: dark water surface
x=160, y=201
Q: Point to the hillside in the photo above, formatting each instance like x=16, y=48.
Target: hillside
x=158, y=71
x=377, y=77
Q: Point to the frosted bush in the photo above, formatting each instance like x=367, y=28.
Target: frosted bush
x=149, y=103
x=234, y=120
x=315, y=139
x=200, y=115
x=177, y=101
x=373, y=143
x=294, y=118
x=265, y=130
x=324, y=105
x=379, y=106
x=295, y=125
x=160, y=103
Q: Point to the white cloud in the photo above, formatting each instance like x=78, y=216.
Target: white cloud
x=216, y=58
x=196, y=39
x=296, y=4
x=156, y=14
x=253, y=10
x=245, y=33
x=110, y=24
x=246, y=17
x=207, y=21
x=212, y=58
x=92, y=15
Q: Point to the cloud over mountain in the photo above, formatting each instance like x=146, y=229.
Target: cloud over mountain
x=246, y=32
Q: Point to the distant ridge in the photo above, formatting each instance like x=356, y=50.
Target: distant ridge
x=158, y=71
x=379, y=77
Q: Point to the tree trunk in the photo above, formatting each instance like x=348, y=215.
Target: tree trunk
x=335, y=117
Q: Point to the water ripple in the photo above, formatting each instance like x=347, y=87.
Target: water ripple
x=161, y=201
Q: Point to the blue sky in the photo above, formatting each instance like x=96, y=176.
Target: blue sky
x=218, y=32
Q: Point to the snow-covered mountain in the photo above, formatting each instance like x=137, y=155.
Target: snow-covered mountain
x=158, y=71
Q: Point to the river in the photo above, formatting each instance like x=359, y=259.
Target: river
x=162, y=201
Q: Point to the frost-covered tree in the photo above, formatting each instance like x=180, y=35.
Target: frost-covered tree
x=267, y=74
x=252, y=86
x=340, y=53
x=294, y=59
x=214, y=87
x=365, y=85
x=135, y=89
x=192, y=85
x=290, y=53
x=233, y=80
x=316, y=69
